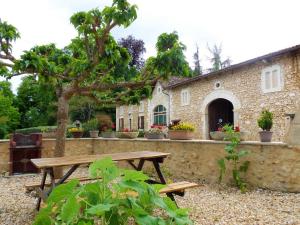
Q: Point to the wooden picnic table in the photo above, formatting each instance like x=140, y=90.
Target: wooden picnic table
x=47, y=165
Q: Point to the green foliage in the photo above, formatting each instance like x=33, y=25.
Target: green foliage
x=9, y=115
x=170, y=58
x=118, y=197
x=265, y=122
x=198, y=68
x=91, y=125
x=233, y=156
x=183, y=126
x=36, y=102
x=39, y=129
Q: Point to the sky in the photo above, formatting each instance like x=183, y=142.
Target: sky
x=246, y=29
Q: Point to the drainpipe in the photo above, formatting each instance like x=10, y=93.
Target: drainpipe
x=169, y=117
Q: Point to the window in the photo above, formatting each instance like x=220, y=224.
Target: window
x=121, y=110
x=185, y=97
x=160, y=115
x=141, y=107
x=141, y=122
x=121, y=124
x=158, y=89
x=272, y=79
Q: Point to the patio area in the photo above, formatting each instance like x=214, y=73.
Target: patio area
x=209, y=204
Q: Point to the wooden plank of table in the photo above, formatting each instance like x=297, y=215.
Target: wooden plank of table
x=86, y=159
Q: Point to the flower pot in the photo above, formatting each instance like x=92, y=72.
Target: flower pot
x=108, y=134
x=129, y=135
x=217, y=135
x=181, y=135
x=77, y=134
x=154, y=136
x=265, y=136
x=220, y=135
x=94, y=133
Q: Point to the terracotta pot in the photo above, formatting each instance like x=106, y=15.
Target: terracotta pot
x=154, y=136
x=265, y=136
x=220, y=135
x=94, y=133
x=77, y=134
x=129, y=135
x=181, y=135
x=108, y=134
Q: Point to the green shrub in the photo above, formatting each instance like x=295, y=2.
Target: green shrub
x=91, y=125
x=233, y=156
x=119, y=197
x=39, y=129
x=265, y=122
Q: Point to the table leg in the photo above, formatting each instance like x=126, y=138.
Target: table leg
x=162, y=179
x=140, y=165
x=42, y=188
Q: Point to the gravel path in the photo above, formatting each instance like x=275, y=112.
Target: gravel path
x=209, y=205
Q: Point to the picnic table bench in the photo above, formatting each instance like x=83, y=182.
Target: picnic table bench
x=47, y=165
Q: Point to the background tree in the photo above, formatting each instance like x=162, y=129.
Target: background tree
x=136, y=49
x=216, y=58
x=9, y=115
x=86, y=67
x=37, y=103
x=197, y=68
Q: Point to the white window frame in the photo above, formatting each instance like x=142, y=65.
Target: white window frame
x=185, y=97
x=280, y=80
x=141, y=107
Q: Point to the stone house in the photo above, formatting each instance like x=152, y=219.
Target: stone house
x=235, y=95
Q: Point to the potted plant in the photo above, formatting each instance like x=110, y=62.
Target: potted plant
x=126, y=133
x=155, y=132
x=265, y=122
x=182, y=131
x=220, y=134
x=92, y=126
x=76, y=132
x=108, y=131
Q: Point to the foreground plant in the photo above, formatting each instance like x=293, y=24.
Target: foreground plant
x=120, y=197
x=234, y=154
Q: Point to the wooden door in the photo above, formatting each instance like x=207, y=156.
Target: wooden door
x=220, y=112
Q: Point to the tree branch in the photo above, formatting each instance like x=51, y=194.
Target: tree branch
x=6, y=64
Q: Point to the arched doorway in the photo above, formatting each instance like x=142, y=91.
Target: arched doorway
x=220, y=112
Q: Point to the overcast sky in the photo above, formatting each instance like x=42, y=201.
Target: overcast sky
x=246, y=29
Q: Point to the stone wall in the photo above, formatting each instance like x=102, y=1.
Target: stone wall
x=274, y=166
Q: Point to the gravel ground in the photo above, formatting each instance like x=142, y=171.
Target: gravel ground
x=208, y=204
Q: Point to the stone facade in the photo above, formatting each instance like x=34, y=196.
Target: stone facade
x=242, y=87
x=274, y=166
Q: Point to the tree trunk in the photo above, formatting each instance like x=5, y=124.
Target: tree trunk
x=62, y=122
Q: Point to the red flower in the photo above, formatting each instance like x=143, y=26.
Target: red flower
x=220, y=129
x=126, y=130
x=113, y=126
x=237, y=129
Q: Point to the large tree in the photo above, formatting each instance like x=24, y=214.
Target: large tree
x=86, y=67
x=216, y=58
x=197, y=67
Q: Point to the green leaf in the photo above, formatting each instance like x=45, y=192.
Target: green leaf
x=244, y=167
x=62, y=191
x=134, y=175
x=100, y=209
x=242, y=153
x=70, y=210
x=222, y=166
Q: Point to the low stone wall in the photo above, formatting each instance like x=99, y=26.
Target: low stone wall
x=274, y=166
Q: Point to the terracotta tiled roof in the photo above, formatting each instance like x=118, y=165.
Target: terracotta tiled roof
x=235, y=66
